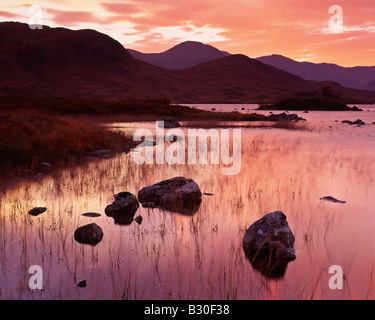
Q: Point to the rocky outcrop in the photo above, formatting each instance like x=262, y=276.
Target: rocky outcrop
x=285, y=117
x=358, y=122
x=178, y=194
x=123, y=208
x=268, y=244
x=90, y=234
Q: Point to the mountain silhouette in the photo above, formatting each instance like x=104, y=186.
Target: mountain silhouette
x=353, y=77
x=59, y=62
x=184, y=55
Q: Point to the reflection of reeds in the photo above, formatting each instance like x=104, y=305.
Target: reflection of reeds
x=170, y=256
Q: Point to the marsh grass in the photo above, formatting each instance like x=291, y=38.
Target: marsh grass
x=28, y=138
x=170, y=256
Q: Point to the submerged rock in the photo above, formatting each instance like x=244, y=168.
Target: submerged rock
x=332, y=199
x=123, y=208
x=268, y=245
x=37, y=211
x=91, y=214
x=178, y=194
x=90, y=234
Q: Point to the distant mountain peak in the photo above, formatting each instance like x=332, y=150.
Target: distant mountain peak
x=184, y=55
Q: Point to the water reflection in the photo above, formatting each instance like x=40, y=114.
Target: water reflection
x=269, y=265
x=199, y=255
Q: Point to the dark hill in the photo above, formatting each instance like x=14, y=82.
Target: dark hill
x=59, y=62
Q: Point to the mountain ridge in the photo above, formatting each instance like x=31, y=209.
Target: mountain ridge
x=59, y=62
x=361, y=77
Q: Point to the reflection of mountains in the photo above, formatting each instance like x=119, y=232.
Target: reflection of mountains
x=87, y=64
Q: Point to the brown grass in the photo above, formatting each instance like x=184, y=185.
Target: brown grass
x=29, y=136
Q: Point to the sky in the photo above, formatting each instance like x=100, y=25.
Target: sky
x=337, y=31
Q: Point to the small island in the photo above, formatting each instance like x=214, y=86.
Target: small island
x=323, y=99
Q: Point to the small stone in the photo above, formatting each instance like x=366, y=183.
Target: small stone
x=138, y=219
x=37, y=211
x=81, y=284
x=91, y=214
x=332, y=199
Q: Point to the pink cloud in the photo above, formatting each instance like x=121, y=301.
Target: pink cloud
x=294, y=28
x=7, y=14
x=120, y=8
x=72, y=18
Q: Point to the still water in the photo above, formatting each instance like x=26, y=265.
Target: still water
x=174, y=256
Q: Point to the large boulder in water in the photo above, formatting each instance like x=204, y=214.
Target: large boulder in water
x=178, y=194
x=268, y=244
x=90, y=234
x=123, y=208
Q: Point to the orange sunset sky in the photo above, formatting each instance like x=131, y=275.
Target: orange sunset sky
x=297, y=29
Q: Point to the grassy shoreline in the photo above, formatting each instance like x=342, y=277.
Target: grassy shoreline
x=60, y=130
x=29, y=138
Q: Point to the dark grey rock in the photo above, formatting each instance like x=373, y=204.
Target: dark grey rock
x=357, y=122
x=268, y=244
x=90, y=234
x=285, y=117
x=332, y=199
x=91, y=214
x=123, y=208
x=82, y=284
x=138, y=219
x=37, y=211
x=178, y=194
